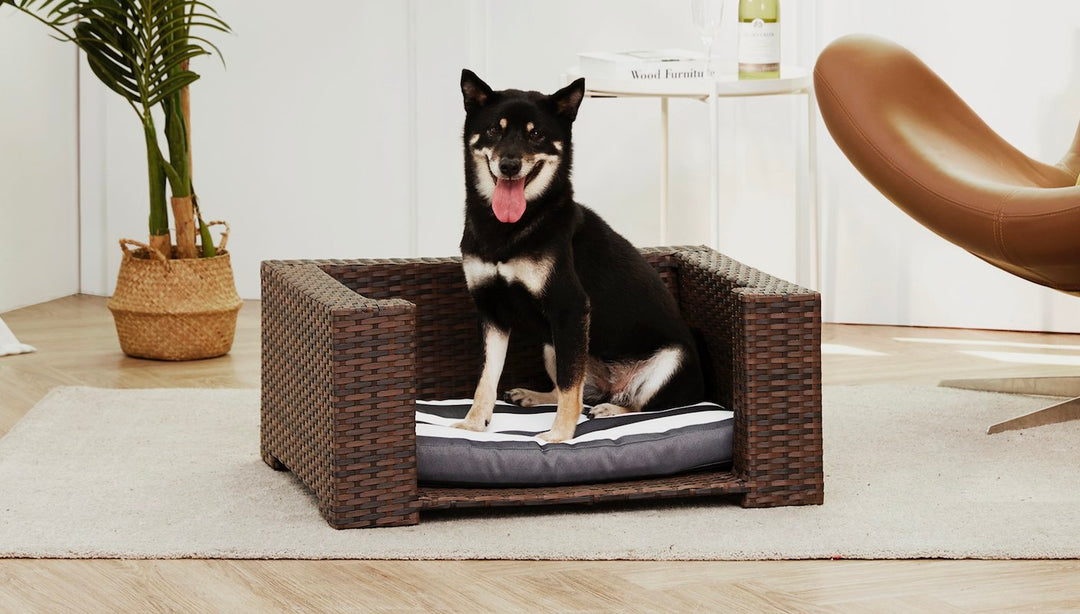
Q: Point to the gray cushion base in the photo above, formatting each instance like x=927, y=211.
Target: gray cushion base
x=636, y=445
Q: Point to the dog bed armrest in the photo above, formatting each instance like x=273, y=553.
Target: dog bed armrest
x=338, y=393
x=763, y=340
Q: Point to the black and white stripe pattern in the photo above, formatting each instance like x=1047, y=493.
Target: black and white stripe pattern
x=640, y=444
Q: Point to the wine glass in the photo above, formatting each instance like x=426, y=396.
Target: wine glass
x=708, y=16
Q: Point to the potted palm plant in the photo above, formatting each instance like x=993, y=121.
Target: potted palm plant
x=172, y=302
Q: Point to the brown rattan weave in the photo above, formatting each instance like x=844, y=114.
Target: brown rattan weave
x=349, y=345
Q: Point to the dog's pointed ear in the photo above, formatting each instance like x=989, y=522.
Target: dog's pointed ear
x=474, y=90
x=568, y=99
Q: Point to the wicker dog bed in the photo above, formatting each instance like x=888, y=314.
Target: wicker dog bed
x=349, y=345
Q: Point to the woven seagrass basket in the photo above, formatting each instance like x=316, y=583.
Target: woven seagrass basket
x=174, y=309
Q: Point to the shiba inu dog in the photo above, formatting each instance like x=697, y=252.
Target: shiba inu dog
x=537, y=261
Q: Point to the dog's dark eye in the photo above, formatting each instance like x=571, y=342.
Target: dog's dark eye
x=493, y=132
x=535, y=135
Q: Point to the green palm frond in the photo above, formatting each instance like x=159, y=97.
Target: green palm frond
x=138, y=48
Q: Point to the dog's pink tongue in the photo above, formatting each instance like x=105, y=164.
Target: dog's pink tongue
x=508, y=202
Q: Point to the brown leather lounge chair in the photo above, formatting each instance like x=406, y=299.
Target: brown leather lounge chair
x=912, y=137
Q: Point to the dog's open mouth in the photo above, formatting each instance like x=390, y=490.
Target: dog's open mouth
x=508, y=201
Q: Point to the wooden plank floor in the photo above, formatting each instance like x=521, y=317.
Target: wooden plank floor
x=77, y=346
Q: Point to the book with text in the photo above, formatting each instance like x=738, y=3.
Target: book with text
x=644, y=65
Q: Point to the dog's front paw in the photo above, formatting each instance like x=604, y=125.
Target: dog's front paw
x=471, y=425
x=605, y=410
x=554, y=436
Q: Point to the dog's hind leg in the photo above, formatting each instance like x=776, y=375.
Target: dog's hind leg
x=605, y=410
x=637, y=383
x=495, y=343
x=596, y=388
x=530, y=398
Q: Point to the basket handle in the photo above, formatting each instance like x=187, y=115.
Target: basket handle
x=124, y=243
x=224, y=233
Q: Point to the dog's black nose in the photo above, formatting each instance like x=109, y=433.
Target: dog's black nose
x=510, y=166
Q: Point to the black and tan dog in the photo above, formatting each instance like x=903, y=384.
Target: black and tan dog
x=537, y=261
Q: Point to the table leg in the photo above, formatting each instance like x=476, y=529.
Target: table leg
x=807, y=232
x=663, y=170
x=714, y=166
x=815, y=203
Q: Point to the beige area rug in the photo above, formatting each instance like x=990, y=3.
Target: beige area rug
x=176, y=473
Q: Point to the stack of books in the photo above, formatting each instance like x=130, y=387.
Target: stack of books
x=645, y=65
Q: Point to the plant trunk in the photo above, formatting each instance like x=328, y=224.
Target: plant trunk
x=162, y=243
x=159, y=213
x=184, y=216
x=205, y=239
x=180, y=153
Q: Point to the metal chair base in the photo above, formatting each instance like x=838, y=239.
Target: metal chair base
x=1039, y=386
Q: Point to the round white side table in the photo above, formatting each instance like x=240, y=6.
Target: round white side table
x=793, y=80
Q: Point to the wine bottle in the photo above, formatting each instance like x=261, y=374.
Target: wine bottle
x=759, y=39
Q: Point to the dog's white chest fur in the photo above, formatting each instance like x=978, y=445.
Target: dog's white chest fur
x=532, y=273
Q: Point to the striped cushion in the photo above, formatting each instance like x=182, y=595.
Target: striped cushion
x=636, y=445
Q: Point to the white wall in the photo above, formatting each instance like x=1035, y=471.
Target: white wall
x=328, y=137
x=38, y=165
x=321, y=147
x=300, y=144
